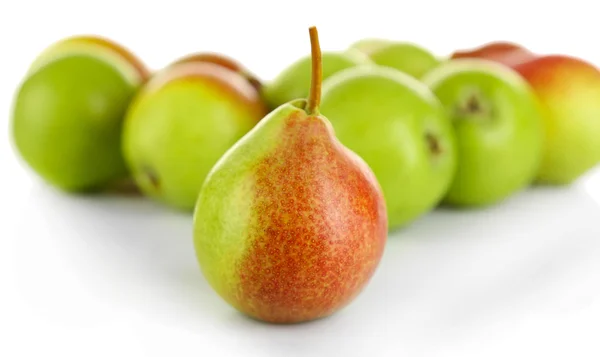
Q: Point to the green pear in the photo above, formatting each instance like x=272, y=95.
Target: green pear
x=294, y=81
x=499, y=130
x=407, y=57
x=180, y=124
x=398, y=126
x=290, y=225
x=368, y=45
x=68, y=112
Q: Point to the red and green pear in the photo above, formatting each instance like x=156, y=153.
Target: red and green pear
x=68, y=112
x=222, y=60
x=290, y=225
x=567, y=88
x=507, y=53
x=180, y=124
x=569, y=91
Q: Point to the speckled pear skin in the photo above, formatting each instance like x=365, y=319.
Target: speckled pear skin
x=290, y=225
x=68, y=111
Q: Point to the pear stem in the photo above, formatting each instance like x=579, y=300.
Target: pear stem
x=314, y=97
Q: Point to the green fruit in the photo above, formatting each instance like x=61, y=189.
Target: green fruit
x=368, y=45
x=68, y=112
x=400, y=129
x=498, y=127
x=294, y=82
x=180, y=124
x=290, y=225
x=406, y=57
x=568, y=89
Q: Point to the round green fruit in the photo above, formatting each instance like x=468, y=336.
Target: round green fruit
x=294, y=81
x=400, y=129
x=497, y=121
x=406, y=57
x=68, y=111
x=368, y=45
x=180, y=124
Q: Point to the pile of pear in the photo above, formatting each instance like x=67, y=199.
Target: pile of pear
x=295, y=182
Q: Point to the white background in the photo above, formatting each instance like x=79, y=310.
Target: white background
x=117, y=277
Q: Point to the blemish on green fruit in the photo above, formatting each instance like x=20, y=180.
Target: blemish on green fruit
x=434, y=144
x=151, y=177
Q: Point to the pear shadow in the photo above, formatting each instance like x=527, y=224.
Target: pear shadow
x=447, y=274
x=460, y=269
x=126, y=248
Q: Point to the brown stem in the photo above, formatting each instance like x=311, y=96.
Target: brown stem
x=314, y=97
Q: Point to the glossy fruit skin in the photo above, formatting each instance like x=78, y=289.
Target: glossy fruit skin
x=179, y=125
x=507, y=53
x=499, y=150
x=384, y=116
x=407, y=57
x=294, y=81
x=67, y=113
x=368, y=45
x=569, y=92
x=290, y=225
x=222, y=60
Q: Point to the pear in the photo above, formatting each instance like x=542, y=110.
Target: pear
x=294, y=81
x=68, y=112
x=290, y=225
x=179, y=125
x=497, y=119
x=408, y=57
x=224, y=61
x=399, y=127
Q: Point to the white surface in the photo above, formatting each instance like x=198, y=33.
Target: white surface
x=83, y=276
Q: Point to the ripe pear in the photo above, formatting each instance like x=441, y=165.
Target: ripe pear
x=569, y=91
x=568, y=88
x=290, y=225
x=180, y=124
x=225, y=61
x=398, y=126
x=294, y=81
x=497, y=120
x=407, y=57
x=507, y=53
x=68, y=111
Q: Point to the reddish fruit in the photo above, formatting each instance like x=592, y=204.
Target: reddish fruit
x=290, y=225
x=569, y=91
x=223, y=61
x=507, y=53
x=179, y=125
